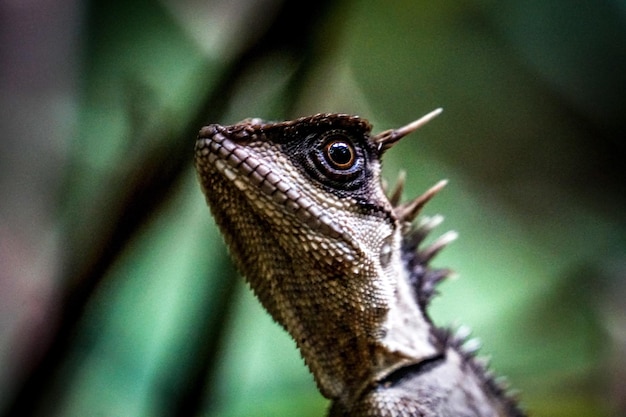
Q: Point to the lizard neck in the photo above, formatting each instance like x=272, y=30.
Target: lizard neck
x=374, y=327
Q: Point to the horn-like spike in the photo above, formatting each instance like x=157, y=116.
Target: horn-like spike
x=428, y=284
x=385, y=186
x=471, y=346
x=427, y=223
x=428, y=253
x=388, y=138
x=462, y=333
x=424, y=226
x=483, y=361
x=409, y=211
x=503, y=383
x=396, y=193
x=416, y=235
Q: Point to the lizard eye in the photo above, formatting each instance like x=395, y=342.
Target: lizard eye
x=333, y=158
x=337, y=158
x=339, y=153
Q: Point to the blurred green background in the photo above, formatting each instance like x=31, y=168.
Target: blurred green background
x=117, y=297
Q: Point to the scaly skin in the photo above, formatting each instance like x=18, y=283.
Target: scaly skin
x=337, y=264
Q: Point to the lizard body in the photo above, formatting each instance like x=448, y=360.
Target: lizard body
x=336, y=262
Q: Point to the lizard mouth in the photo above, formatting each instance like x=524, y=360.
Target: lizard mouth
x=215, y=153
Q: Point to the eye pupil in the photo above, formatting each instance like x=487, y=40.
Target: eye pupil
x=340, y=154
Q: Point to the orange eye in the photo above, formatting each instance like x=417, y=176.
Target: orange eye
x=340, y=154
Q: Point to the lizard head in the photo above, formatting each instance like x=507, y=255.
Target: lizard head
x=302, y=209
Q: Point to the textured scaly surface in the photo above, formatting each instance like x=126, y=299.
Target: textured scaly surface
x=338, y=264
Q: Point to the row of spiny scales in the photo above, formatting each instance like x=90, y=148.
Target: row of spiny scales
x=425, y=279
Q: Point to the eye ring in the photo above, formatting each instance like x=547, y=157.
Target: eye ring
x=340, y=153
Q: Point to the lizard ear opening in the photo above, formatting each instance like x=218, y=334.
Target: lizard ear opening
x=388, y=138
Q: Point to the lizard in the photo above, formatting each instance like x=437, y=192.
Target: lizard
x=337, y=260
